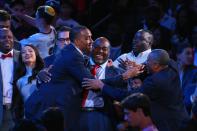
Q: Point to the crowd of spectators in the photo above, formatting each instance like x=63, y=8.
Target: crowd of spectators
x=140, y=52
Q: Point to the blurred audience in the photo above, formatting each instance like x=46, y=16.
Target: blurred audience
x=137, y=111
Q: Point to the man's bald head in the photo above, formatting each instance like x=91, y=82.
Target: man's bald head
x=101, y=50
x=142, y=41
x=157, y=60
x=100, y=40
x=160, y=56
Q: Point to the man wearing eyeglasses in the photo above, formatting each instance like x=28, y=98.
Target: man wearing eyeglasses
x=62, y=39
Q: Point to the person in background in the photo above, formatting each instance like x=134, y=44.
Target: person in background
x=20, y=28
x=53, y=119
x=137, y=112
x=9, y=95
x=32, y=64
x=142, y=42
x=5, y=22
x=62, y=39
x=187, y=72
x=45, y=39
x=65, y=16
x=191, y=125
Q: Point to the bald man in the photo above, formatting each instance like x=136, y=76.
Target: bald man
x=96, y=109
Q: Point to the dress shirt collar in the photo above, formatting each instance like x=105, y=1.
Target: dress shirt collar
x=102, y=65
x=142, y=53
x=150, y=128
x=78, y=49
x=7, y=53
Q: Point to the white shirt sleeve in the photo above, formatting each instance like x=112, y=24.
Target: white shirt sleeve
x=32, y=40
x=122, y=57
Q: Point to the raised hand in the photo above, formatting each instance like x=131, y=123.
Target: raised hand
x=44, y=75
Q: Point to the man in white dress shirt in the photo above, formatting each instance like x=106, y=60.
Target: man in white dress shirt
x=141, y=44
x=8, y=65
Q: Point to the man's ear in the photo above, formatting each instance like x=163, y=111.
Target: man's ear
x=76, y=41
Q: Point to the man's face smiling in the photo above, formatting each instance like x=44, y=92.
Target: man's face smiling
x=100, y=52
x=85, y=39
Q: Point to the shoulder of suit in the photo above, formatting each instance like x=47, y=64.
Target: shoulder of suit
x=115, y=69
x=16, y=51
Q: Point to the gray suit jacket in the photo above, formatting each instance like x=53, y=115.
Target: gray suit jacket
x=16, y=65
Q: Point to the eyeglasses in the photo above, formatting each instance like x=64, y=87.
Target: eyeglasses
x=63, y=39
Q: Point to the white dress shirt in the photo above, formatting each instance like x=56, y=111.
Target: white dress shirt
x=7, y=72
x=94, y=99
x=100, y=71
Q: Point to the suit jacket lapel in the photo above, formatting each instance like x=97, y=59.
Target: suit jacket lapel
x=1, y=85
x=16, y=62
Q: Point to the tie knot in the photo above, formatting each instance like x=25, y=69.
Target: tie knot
x=96, y=66
x=9, y=55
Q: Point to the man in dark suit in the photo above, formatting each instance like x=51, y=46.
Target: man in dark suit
x=97, y=110
x=187, y=72
x=8, y=66
x=162, y=87
x=64, y=89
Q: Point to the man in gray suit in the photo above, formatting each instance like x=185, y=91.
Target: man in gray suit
x=8, y=67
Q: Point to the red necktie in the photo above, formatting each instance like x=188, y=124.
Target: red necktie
x=85, y=92
x=9, y=55
x=94, y=69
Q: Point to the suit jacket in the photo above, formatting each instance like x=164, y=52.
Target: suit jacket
x=109, y=107
x=189, y=83
x=49, y=60
x=164, y=91
x=189, y=76
x=15, y=95
x=64, y=89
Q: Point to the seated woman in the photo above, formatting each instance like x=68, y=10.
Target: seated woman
x=33, y=63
